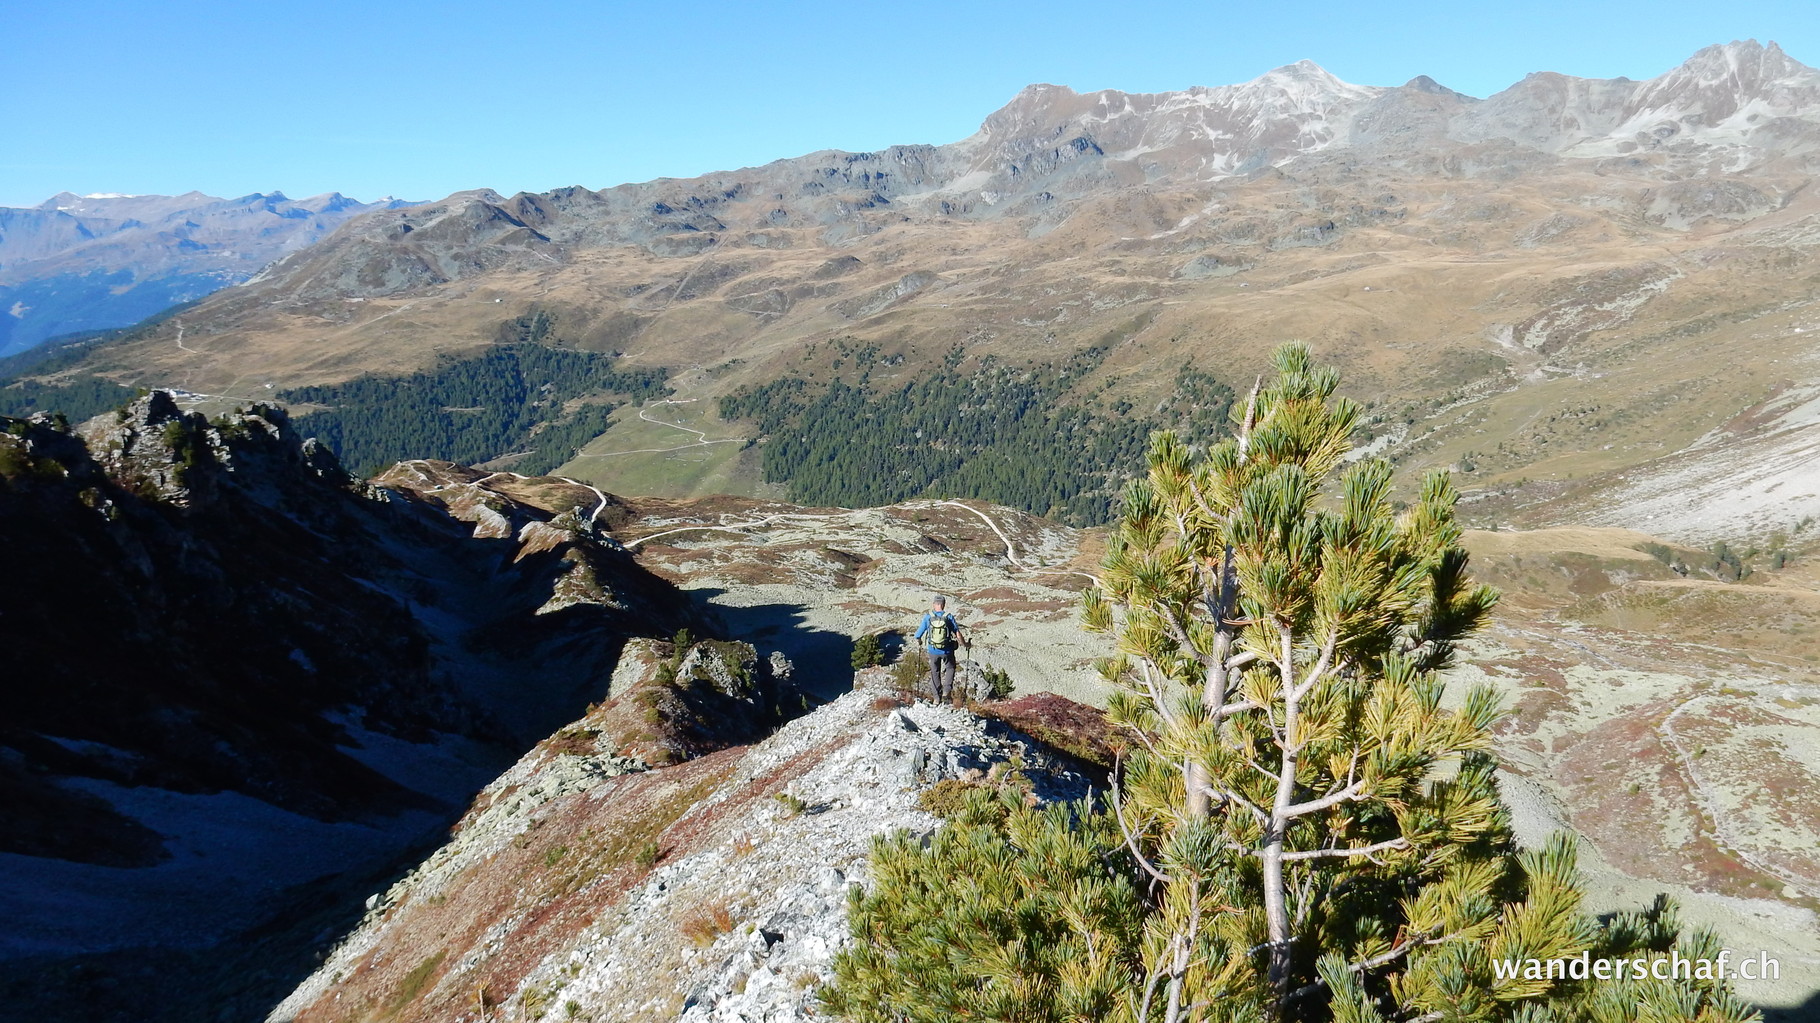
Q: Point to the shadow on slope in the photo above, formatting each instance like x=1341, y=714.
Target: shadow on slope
x=243, y=688
x=1807, y=1012
x=822, y=659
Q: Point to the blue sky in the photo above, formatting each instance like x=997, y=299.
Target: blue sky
x=421, y=99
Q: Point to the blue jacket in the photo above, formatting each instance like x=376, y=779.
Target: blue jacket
x=954, y=632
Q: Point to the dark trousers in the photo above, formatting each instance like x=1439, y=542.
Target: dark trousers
x=941, y=673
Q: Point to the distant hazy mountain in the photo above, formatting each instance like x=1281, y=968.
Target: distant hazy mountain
x=88, y=262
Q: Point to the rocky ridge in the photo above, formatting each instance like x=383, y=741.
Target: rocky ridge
x=735, y=916
x=1736, y=108
x=237, y=679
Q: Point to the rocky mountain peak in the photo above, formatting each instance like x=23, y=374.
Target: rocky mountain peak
x=1740, y=94
x=1035, y=109
x=330, y=201
x=1305, y=71
x=1304, y=87
x=1423, y=83
x=1742, y=61
x=155, y=449
x=60, y=201
x=1720, y=81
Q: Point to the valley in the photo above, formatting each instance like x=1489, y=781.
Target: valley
x=76, y=264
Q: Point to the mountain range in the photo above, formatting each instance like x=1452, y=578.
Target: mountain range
x=1500, y=275
x=89, y=262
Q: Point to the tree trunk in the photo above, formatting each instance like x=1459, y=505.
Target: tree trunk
x=1195, y=777
x=1276, y=894
x=1276, y=916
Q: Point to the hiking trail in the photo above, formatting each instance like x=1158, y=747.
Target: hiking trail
x=701, y=437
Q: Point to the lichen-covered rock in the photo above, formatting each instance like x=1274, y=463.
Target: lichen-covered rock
x=669, y=704
x=728, y=668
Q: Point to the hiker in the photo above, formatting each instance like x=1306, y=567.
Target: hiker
x=940, y=634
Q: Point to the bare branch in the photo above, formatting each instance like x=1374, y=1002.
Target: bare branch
x=1143, y=736
x=1362, y=850
x=1173, y=1012
x=1238, y=708
x=1156, y=693
x=1178, y=631
x=1398, y=951
x=1251, y=417
x=1182, y=946
x=1149, y=993
x=1351, y=792
x=1320, y=667
x=1268, y=774
x=1201, y=499
x=1229, y=796
x=1131, y=839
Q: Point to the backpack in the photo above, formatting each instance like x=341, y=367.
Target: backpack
x=941, y=632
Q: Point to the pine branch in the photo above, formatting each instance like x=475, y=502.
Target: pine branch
x=1351, y=792
x=1351, y=852
x=1320, y=667
x=1118, y=806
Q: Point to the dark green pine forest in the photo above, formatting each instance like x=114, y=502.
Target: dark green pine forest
x=858, y=431
x=1012, y=436
x=79, y=399
x=518, y=398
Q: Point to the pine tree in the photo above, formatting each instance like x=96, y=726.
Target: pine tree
x=1007, y=913
x=868, y=651
x=1309, y=828
x=1305, y=801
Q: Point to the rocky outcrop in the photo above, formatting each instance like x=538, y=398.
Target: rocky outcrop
x=678, y=699
x=235, y=674
x=712, y=890
x=181, y=459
